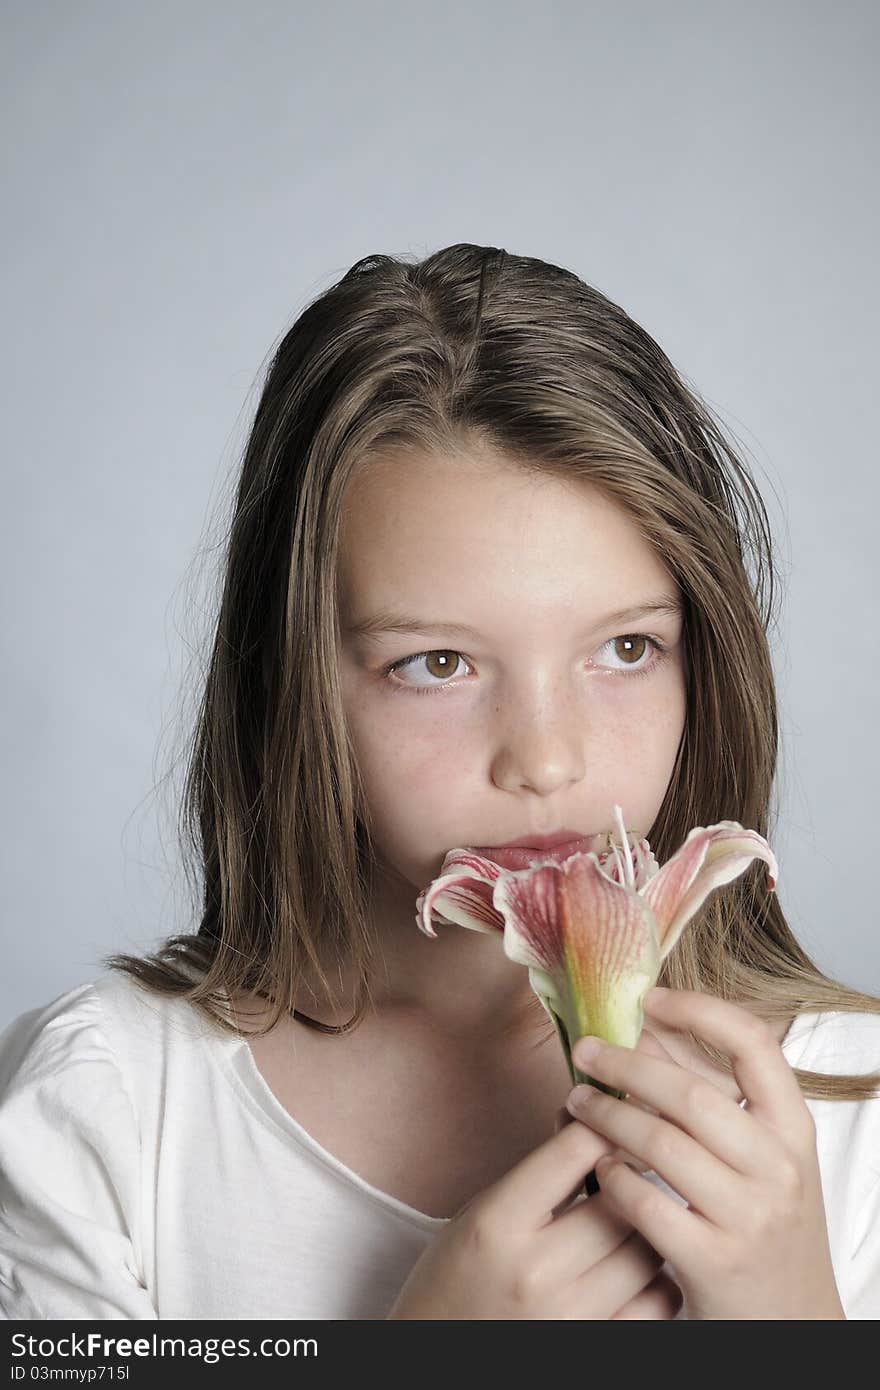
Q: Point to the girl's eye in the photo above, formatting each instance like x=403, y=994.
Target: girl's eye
x=442, y=664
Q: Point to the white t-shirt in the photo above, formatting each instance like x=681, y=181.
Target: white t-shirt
x=148, y=1171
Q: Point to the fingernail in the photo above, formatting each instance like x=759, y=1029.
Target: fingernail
x=579, y=1095
x=586, y=1050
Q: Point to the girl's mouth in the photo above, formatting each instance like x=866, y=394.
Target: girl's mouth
x=522, y=856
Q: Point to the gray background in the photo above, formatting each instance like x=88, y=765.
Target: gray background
x=182, y=178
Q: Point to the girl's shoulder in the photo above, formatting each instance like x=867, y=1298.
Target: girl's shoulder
x=61, y=1086
x=43, y=1042
x=86, y=1045
x=72, y=1139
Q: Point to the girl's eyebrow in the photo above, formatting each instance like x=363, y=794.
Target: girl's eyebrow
x=665, y=605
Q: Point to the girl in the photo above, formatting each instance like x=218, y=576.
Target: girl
x=486, y=578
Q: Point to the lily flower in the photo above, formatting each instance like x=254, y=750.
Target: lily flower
x=595, y=928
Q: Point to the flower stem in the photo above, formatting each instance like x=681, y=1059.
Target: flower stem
x=591, y=1185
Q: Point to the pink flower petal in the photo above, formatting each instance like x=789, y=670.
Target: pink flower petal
x=461, y=894
x=710, y=856
x=594, y=928
x=593, y=938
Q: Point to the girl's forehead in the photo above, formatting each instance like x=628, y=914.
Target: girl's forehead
x=400, y=494
x=400, y=469
x=422, y=529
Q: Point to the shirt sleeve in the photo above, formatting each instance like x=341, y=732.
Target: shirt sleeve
x=69, y=1170
x=859, y=1279
x=862, y=1296
x=848, y=1147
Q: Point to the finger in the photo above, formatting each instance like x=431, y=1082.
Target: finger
x=565, y=1116
x=650, y=1044
x=607, y=1284
x=683, y=1237
x=702, y=1179
x=693, y=1103
x=759, y=1064
x=535, y=1186
x=582, y=1240
x=661, y=1299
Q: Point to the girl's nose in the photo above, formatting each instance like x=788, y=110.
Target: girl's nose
x=538, y=756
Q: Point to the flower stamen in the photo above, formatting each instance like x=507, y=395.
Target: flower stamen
x=627, y=872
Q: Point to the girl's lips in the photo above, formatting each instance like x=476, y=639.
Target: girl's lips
x=523, y=857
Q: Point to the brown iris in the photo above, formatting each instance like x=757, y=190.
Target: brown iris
x=630, y=639
x=446, y=662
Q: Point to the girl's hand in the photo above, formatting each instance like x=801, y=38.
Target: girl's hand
x=753, y=1241
x=524, y=1248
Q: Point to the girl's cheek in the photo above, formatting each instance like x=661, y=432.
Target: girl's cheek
x=411, y=747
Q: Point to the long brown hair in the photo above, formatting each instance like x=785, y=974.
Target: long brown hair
x=469, y=349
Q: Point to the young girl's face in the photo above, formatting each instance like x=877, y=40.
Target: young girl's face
x=547, y=711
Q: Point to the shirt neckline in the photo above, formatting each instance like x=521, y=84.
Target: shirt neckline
x=239, y=1066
